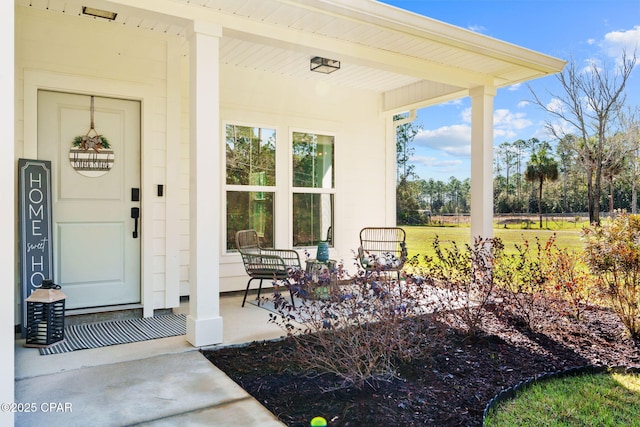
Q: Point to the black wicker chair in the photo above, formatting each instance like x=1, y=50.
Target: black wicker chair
x=264, y=263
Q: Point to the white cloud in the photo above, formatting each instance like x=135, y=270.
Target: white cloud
x=454, y=140
x=555, y=105
x=617, y=42
x=542, y=133
x=559, y=128
x=613, y=45
x=455, y=102
x=523, y=104
x=439, y=165
x=504, y=134
x=465, y=115
x=515, y=87
x=591, y=65
x=502, y=118
x=477, y=28
x=506, y=120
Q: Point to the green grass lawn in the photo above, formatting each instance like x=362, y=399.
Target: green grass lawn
x=420, y=238
x=584, y=400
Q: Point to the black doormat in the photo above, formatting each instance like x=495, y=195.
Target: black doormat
x=103, y=334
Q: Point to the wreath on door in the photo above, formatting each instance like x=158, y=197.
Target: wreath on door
x=91, y=153
x=86, y=142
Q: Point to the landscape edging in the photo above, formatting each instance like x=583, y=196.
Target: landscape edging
x=510, y=393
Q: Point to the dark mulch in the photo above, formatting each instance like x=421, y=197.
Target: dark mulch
x=449, y=386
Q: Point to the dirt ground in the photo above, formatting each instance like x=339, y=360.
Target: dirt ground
x=450, y=385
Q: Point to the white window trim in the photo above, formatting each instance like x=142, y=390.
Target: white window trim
x=275, y=189
x=308, y=190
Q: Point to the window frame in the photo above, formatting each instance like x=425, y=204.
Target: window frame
x=311, y=190
x=248, y=188
x=283, y=189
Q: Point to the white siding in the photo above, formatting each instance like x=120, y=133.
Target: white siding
x=360, y=151
x=105, y=52
x=113, y=58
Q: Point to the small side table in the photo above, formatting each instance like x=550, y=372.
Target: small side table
x=319, y=270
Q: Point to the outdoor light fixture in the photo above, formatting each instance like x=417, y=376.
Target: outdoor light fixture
x=99, y=13
x=324, y=65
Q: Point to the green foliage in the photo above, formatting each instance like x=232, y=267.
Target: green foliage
x=408, y=204
x=612, y=252
x=540, y=168
x=543, y=279
x=405, y=133
x=77, y=141
x=534, y=278
x=463, y=279
x=525, y=275
x=569, y=281
x=250, y=156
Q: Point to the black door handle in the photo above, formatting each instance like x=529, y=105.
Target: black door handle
x=135, y=214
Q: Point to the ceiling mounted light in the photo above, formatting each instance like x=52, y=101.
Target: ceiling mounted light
x=99, y=13
x=324, y=65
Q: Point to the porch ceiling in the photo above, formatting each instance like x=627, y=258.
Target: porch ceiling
x=411, y=60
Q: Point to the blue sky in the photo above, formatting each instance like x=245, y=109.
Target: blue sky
x=585, y=30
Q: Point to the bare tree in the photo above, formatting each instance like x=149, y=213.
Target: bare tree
x=590, y=103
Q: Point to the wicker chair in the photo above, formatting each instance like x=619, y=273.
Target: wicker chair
x=382, y=249
x=261, y=264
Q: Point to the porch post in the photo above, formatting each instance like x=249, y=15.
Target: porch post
x=204, y=324
x=482, y=161
x=8, y=173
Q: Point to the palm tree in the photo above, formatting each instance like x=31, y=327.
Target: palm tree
x=540, y=168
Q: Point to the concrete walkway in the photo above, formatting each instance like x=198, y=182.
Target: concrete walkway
x=165, y=382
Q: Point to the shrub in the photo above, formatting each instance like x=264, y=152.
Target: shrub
x=463, y=279
x=361, y=331
x=612, y=252
x=570, y=283
x=525, y=275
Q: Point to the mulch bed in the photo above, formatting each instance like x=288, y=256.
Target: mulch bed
x=449, y=386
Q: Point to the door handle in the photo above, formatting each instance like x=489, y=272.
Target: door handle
x=135, y=214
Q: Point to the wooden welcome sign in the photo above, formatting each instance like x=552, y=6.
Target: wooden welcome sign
x=36, y=249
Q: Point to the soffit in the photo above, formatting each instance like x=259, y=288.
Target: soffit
x=381, y=48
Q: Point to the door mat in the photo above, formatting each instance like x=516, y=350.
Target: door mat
x=103, y=334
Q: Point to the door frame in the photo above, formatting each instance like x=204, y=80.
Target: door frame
x=42, y=80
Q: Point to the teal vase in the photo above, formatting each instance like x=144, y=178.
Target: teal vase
x=323, y=252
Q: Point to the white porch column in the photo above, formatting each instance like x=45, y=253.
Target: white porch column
x=204, y=324
x=390, y=196
x=482, y=161
x=8, y=172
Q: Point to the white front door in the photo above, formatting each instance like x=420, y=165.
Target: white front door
x=95, y=181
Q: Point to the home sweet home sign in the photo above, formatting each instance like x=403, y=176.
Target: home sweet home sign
x=36, y=250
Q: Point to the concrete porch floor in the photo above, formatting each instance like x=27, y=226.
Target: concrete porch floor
x=164, y=382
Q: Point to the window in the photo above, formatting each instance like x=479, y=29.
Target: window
x=313, y=188
x=250, y=181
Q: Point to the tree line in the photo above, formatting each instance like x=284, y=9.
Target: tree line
x=591, y=165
